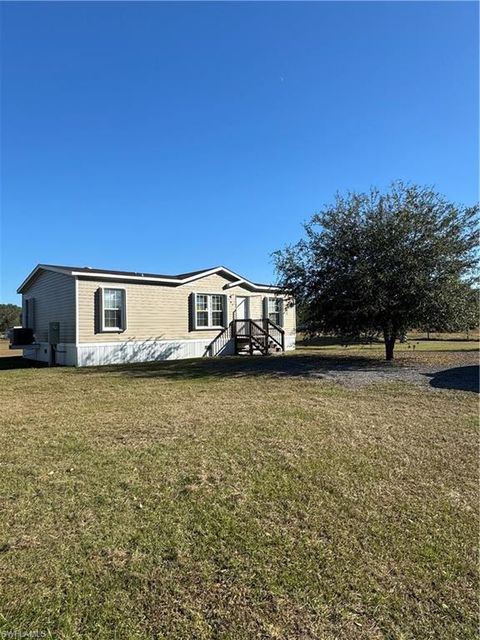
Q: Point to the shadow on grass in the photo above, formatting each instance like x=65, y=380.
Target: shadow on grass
x=17, y=362
x=458, y=378
x=289, y=366
x=334, y=341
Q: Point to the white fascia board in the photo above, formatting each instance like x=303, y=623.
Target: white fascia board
x=113, y=276
x=116, y=276
x=252, y=286
x=175, y=281
x=137, y=278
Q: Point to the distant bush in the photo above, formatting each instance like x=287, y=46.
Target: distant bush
x=10, y=315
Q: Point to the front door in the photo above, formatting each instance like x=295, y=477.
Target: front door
x=241, y=313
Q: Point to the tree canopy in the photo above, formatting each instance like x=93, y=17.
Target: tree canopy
x=9, y=316
x=382, y=262
x=455, y=313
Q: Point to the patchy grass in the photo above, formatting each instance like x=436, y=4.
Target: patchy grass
x=145, y=501
x=414, y=343
x=472, y=336
x=420, y=356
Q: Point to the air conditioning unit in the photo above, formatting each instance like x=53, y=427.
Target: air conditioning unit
x=21, y=337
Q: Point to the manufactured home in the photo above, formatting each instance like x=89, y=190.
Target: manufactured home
x=86, y=317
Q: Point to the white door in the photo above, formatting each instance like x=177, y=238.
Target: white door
x=241, y=313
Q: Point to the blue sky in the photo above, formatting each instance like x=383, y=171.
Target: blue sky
x=174, y=136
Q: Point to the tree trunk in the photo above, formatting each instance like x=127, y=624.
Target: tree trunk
x=389, y=339
x=389, y=345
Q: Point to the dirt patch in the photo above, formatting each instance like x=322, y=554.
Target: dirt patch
x=6, y=352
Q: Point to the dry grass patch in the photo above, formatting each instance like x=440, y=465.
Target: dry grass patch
x=210, y=506
x=6, y=352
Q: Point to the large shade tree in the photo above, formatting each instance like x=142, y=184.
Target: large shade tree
x=382, y=262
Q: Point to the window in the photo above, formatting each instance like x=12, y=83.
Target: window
x=217, y=311
x=209, y=310
x=275, y=310
x=113, y=309
x=202, y=310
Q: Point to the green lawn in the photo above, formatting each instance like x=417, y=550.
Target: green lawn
x=145, y=502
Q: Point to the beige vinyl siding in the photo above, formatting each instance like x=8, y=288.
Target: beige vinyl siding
x=54, y=296
x=159, y=312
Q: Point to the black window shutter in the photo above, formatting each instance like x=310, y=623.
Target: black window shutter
x=25, y=313
x=191, y=312
x=28, y=313
x=98, y=310
x=225, y=310
x=31, y=314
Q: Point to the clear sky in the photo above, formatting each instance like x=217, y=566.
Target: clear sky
x=167, y=137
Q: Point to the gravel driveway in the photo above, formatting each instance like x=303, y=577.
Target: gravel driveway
x=455, y=370
x=354, y=374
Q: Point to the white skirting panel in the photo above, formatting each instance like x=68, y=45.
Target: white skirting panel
x=144, y=351
x=95, y=354
x=289, y=342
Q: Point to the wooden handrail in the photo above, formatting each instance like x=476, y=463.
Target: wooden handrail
x=222, y=333
x=256, y=331
x=276, y=326
x=281, y=342
x=266, y=330
x=256, y=325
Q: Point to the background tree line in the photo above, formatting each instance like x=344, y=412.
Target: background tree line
x=10, y=316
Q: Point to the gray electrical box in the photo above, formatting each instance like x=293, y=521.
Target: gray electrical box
x=53, y=332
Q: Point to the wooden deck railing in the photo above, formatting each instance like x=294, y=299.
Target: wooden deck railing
x=260, y=334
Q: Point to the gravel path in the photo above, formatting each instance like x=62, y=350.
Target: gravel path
x=461, y=373
x=464, y=378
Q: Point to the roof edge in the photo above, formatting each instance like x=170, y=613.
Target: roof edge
x=138, y=277
x=41, y=267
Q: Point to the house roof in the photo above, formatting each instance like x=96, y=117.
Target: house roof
x=136, y=276
x=89, y=270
